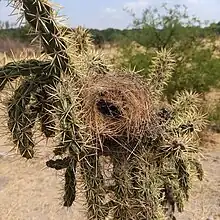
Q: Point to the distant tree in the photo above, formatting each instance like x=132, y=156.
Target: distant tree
x=196, y=68
x=215, y=27
x=98, y=40
x=1, y=25
x=7, y=25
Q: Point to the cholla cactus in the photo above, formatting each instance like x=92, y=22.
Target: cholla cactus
x=136, y=155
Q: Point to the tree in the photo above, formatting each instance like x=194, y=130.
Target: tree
x=173, y=28
x=7, y=25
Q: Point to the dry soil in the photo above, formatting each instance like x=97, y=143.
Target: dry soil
x=30, y=191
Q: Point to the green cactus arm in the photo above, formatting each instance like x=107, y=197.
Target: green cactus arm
x=13, y=70
x=68, y=128
x=45, y=109
x=70, y=184
x=161, y=70
x=70, y=179
x=94, y=187
x=39, y=15
x=21, y=120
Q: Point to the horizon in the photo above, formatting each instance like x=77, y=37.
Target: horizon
x=103, y=15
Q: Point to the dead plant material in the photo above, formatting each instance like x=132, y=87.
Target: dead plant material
x=116, y=106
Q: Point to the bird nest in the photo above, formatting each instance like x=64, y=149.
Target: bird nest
x=116, y=107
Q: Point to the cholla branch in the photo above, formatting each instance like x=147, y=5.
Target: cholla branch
x=161, y=70
x=13, y=70
x=103, y=112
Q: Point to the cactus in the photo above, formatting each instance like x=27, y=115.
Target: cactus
x=106, y=117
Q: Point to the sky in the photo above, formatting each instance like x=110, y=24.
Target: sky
x=103, y=14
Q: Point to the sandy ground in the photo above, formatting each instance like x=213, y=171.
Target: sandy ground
x=30, y=191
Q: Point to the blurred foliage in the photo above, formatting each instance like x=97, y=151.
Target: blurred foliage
x=197, y=68
x=214, y=115
x=8, y=30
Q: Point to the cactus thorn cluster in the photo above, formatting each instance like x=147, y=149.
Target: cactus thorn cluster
x=135, y=154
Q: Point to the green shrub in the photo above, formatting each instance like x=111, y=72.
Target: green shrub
x=196, y=68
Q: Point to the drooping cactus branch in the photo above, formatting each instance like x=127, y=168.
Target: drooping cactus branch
x=68, y=163
x=13, y=70
x=70, y=184
x=21, y=116
x=21, y=120
x=40, y=16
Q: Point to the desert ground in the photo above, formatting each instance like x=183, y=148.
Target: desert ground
x=30, y=191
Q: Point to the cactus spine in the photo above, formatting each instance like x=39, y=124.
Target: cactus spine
x=104, y=112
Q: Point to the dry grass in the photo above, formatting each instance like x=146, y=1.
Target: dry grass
x=15, y=48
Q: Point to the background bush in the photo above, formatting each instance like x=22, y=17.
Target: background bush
x=192, y=44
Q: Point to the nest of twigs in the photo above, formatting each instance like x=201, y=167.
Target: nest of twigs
x=116, y=107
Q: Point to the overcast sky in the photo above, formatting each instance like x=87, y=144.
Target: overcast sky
x=109, y=13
